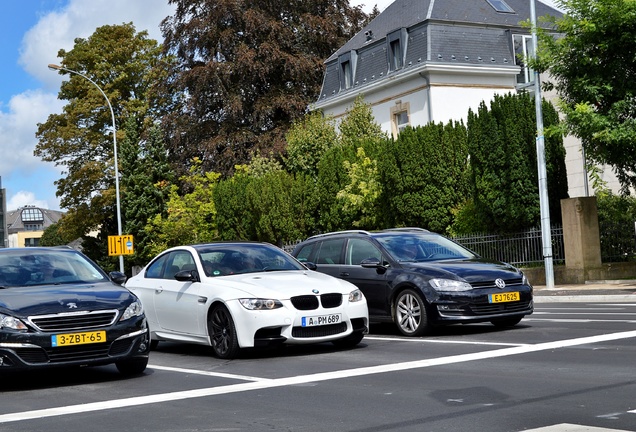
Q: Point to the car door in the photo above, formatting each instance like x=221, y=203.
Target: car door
x=371, y=281
x=178, y=304
x=327, y=256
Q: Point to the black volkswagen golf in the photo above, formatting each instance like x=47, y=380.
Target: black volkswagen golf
x=58, y=308
x=419, y=279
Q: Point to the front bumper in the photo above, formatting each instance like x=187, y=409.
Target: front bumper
x=33, y=350
x=474, y=306
x=284, y=325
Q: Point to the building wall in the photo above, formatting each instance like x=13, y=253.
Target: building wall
x=21, y=239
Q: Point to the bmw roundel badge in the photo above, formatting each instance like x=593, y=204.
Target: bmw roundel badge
x=315, y=291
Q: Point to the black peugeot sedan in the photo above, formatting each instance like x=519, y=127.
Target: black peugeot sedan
x=419, y=279
x=58, y=308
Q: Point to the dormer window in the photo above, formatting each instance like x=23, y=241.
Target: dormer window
x=396, y=49
x=500, y=6
x=346, y=71
x=523, y=51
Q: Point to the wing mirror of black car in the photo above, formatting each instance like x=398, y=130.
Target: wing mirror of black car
x=310, y=265
x=187, y=276
x=371, y=263
x=118, y=277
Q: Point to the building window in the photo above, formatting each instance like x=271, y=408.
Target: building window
x=346, y=74
x=396, y=48
x=31, y=242
x=396, y=55
x=400, y=117
x=523, y=50
x=500, y=6
x=32, y=214
x=347, y=70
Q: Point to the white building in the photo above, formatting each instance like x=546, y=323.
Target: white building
x=423, y=61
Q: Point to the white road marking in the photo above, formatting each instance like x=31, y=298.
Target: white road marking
x=417, y=340
x=305, y=379
x=214, y=374
x=575, y=320
x=584, y=313
x=567, y=427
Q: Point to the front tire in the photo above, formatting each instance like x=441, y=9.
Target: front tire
x=350, y=341
x=133, y=366
x=410, y=313
x=222, y=333
x=505, y=322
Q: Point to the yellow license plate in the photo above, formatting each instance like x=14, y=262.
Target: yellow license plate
x=68, y=339
x=504, y=297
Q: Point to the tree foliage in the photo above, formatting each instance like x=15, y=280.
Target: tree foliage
x=307, y=141
x=145, y=185
x=593, y=69
x=191, y=218
x=423, y=174
x=246, y=70
x=120, y=61
x=503, y=163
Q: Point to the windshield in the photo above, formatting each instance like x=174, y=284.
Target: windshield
x=29, y=267
x=232, y=258
x=422, y=247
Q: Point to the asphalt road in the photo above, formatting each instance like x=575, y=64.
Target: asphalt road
x=568, y=367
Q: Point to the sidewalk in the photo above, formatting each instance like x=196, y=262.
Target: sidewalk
x=600, y=291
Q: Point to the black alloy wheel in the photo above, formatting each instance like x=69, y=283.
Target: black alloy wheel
x=222, y=333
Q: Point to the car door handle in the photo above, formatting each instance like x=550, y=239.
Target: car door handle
x=344, y=274
x=158, y=290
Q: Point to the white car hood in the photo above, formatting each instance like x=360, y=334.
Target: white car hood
x=282, y=284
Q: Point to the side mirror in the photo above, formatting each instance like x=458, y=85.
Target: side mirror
x=118, y=277
x=371, y=263
x=187, y=276
x=310, y=265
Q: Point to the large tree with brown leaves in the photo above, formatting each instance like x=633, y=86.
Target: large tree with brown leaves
x=247, y=69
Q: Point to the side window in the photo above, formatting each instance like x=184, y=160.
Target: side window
x=360, y=249
x=305, y=252
x=330, y=251
x=178, y=261
x=155, y=270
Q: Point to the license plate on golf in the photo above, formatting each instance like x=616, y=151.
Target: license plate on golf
x=68, y=339
x=321, y=320
x=504, y=297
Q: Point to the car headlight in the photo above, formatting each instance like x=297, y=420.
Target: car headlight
x=355, y=296
x=12, y=323
x=450, y=285
x=260, y=304
x=134, y=309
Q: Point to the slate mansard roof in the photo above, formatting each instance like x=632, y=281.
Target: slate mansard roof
x=435, y=32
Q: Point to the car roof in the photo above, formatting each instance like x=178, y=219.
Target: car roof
x=414, y=230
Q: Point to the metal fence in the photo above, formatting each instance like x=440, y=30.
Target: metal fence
x=523, y=249
x=618, y=241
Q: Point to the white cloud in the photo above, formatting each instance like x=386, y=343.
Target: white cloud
x=18, y=127
x=24, y=198
x=79, y=19
x=57, y=30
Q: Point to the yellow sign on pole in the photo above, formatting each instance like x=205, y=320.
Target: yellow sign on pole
x=120, y=245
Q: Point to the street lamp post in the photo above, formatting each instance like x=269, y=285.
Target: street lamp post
x=541, y=164
x=112, y=114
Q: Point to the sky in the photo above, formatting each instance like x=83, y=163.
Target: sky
x=32, y=32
